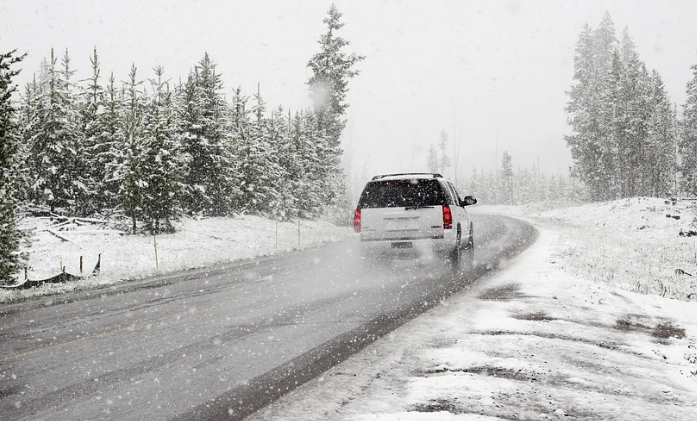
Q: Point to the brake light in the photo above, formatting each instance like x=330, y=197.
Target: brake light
x=357, y=220
x=447, y=217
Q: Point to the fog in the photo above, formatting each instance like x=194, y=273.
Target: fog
x=493, y=75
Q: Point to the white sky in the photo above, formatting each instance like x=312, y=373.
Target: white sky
x=487, y=69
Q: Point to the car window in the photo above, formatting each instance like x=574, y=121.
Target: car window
x=402, y=193
x=458, y=198
x=454, y=199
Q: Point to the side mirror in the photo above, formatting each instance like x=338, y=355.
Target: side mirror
x=468, y=201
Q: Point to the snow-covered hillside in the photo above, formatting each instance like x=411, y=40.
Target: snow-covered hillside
x=644, y=245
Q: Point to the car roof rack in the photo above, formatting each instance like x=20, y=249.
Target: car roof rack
x=432, y=174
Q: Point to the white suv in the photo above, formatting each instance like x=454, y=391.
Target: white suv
x=400, y=210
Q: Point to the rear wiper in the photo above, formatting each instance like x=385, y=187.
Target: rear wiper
x=417, y=207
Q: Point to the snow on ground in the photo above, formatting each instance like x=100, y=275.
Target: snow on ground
x=553, y=336
x=198, y=243
x=595, y=321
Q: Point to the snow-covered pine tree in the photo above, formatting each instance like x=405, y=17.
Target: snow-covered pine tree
x=627, y=47
x=437, y=160
x=96, y=138
x=110, y=144
x=604, y=45
x=11, y=258
x=688, y=139
x=291, y=160
x=259, y=170
x=605, y=100
x=601, y=143
x=583, y=119
x=77, y=161
x=443, y=146
x=609, y=111
x=164, y=164
x=639, y=110
x=659, y=165
x=305, y=191
x=54, y=140
x=331, y=70
x=211, y=177
x=282, y=206
x=28, y=114
x=506, y=178
x=615, y=146
x=312, y=197
x=128, y=171
x=432, y=161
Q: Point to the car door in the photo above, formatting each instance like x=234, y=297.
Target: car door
x=461, y=212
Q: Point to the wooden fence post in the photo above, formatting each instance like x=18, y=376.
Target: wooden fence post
x=154, y=237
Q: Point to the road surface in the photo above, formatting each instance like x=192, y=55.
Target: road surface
x=222, y=342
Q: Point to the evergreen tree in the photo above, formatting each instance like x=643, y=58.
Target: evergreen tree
x=442, y=146
x=688, y=141
x=108, y=148
x=617, y=113
x=76, y=160
x=506, y=178
x=314, y=194
x=303, y=171
x=279, y=165
x=96, y=138
x=604, y=45
x=627, y=47
x=639, y=111
x=55, y=141
x=259, y=170
x=164, y=165
x=28, y=115
x=432, y=161
x=583, y=117
x=130, y=162
x=331, y=70
x=11, y=259
x=661, y=142
x=206, y=139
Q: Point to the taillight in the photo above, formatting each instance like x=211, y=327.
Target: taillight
x=357, y=220
x=447, y=217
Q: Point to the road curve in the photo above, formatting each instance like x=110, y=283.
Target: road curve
x=222, y=342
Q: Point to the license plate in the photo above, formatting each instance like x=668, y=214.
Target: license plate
x=402, y=245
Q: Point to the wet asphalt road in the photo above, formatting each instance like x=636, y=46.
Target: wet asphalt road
x=222, y=342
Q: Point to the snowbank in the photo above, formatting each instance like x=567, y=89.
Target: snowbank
x=198, y=243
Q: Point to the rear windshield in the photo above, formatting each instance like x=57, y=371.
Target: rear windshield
x=402, y=193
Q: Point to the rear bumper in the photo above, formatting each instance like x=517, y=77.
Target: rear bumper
x=444, y=241
x=435, y=237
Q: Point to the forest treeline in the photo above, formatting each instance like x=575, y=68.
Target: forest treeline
x=520, y=186
x=145, y=149
x=151, y=150
x=627, y=137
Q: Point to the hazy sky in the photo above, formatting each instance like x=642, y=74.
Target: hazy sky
x=480, y=70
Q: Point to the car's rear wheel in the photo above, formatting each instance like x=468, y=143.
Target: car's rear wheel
x=470, y=238
x=469, y=249
x=456, y=252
